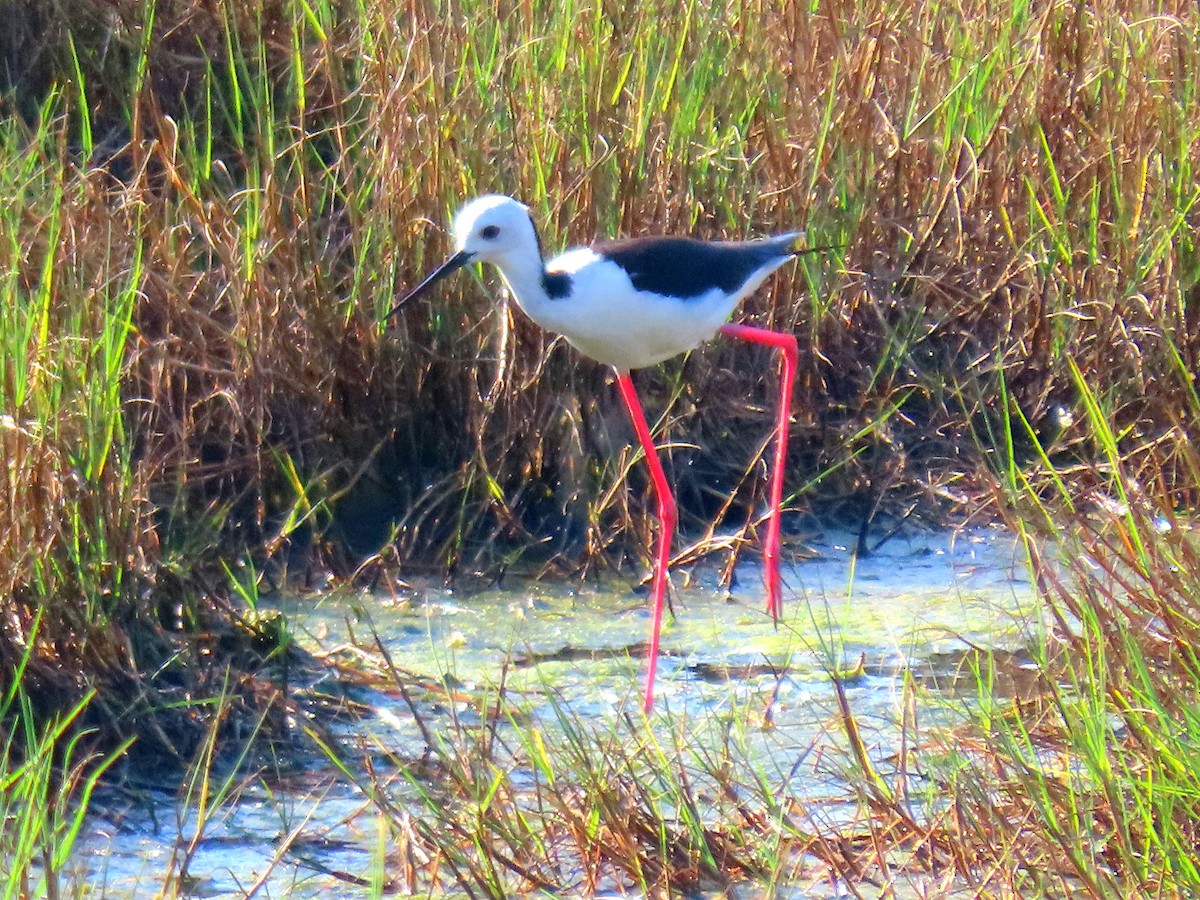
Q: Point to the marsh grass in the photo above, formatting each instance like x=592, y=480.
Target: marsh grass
x=208, y=208
x=1073, y=776
x=1089, y=783
x=998, y=208
x=502, y=802
x=47, y=777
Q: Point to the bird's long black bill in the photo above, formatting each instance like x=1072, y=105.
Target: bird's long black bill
x=453, y=264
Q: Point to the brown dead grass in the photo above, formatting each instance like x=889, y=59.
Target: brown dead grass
x=990, y=234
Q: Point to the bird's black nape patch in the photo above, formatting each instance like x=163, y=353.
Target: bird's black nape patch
x=556, y=284
x=686, y=267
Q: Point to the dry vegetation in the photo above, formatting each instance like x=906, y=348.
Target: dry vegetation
x=208, y=207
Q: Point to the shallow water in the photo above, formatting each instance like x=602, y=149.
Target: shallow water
x=915, y=605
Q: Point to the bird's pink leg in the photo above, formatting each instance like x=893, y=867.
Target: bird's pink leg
x=666, y=519
x=786, y=343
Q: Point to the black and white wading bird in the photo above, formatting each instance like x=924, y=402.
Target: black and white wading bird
x=631, y=304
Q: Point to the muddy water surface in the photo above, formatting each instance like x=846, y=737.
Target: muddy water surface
x=913, y=606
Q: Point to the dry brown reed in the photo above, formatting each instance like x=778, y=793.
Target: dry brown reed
x=1012, y=190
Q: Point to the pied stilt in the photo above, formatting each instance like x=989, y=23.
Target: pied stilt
x=631, y=304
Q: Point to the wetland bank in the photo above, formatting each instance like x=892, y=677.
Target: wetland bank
x=208, y=209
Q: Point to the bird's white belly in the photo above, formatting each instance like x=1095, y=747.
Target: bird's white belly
x=634, y=332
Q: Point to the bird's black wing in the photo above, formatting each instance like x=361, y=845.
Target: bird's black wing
x=685, y=267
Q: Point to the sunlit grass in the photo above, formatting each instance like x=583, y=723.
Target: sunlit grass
x=976, y=231
x=47, y=776
x=208, y=208
x=563, y=802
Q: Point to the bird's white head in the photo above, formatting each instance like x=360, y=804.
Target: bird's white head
x=493, y=229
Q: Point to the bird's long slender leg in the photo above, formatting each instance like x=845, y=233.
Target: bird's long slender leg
x=666, y=520
x=786, y=344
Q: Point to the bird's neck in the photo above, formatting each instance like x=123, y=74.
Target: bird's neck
x=524, y=273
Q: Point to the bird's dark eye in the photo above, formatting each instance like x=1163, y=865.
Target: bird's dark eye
x=489, y=232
